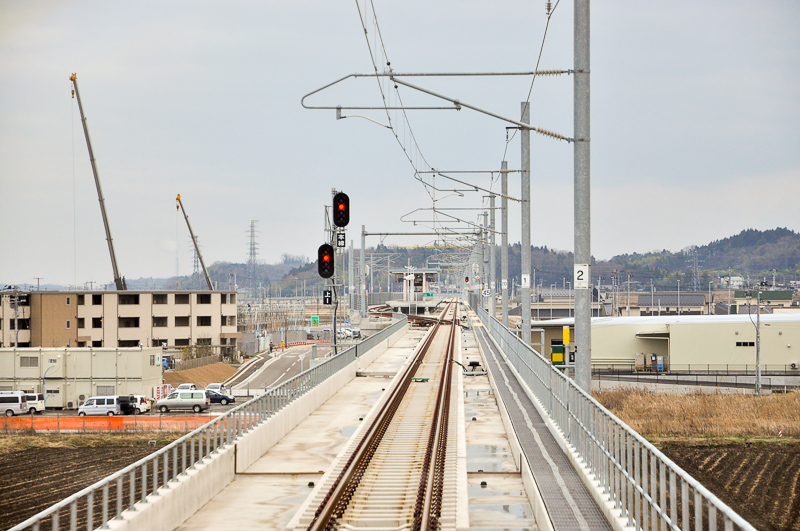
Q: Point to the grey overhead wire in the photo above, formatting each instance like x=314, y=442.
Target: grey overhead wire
x=538, y=60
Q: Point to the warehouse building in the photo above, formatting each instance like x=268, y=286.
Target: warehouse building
x=686, y=342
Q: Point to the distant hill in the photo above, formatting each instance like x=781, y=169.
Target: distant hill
x=751, y=252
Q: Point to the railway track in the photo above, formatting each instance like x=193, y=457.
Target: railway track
x=399, y=474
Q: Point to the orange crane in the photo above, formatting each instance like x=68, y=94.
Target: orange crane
x=118, y=280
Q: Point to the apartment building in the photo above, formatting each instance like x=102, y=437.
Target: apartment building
x=114, y=319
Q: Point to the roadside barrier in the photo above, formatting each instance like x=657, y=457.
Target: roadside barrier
x=71, y=424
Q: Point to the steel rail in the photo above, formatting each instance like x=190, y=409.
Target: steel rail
x=429, y=502
x=340, y=493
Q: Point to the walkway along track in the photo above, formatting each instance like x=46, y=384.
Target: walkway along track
x=397, y=477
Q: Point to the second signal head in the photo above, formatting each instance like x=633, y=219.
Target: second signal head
x=325, y=265
x=341, y=209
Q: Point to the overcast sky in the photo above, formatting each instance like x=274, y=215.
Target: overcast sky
x=695, y=122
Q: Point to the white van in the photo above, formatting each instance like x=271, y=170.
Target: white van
x=35, y=402
x=197, y=401
x=141, y=403
x=13, y=403
x=100, y=405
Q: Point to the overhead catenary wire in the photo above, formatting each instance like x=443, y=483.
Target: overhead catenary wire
x=550, y=12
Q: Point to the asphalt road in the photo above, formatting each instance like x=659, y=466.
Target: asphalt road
x=282, y=366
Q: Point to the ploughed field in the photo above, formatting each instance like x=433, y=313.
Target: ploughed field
x=758, y=480
x=37, y=471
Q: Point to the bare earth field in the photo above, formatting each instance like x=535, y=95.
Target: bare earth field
x=37, y=471
x=202, y=376
x=730, y=443
x=760, y=481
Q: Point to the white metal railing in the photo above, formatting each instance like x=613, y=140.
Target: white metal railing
x=107, y=499
x=649, y=490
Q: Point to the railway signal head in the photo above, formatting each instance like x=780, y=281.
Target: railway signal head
x=325, y=261
x=466, y=280
x=341, y=209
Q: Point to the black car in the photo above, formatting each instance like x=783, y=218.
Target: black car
x=127, y=404
x=219, y=398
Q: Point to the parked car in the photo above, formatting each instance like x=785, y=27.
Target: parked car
x=187, y=386
x=142, y=403
x=100, y=405
x=195, y=400
x=127, y=404
x=216, y=397
x=35, y=402
x=13, y=403
x=215, y=387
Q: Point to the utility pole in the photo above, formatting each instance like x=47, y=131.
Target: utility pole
x=582, y=200
x=758, y=343
x=492, y=263
x=485, y=273
x=361, y=276
x=525, y=198
x=504, y=239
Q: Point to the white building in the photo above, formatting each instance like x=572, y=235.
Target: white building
x=68, y=376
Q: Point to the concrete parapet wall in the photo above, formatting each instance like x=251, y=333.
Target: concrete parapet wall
x=172, y=506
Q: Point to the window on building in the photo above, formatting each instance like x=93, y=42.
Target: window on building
x=69, y=301
x=203, y=320
x=159, y=298
x=80, y=300
x=129, y=322
x=204, y=341
x=69, y=324
x=52, y=392
x=181, y=298
x=232, y=299
x=129, y=299
x=181, y=342
x=105, y=390
x=97, y=322
x=28, y=361
x=223, y=298
x=24, y=324
x=745, y=343
x=223, y=341
x=81, y=322
x=128, y=343
x=81, y=344
x=203, y=298
x=182, y=320
x=97, y=343
x=97, y=300
x=152, y=360
x=159, y=321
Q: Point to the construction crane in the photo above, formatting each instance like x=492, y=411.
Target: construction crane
x=179, y=205
x=118, y=280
